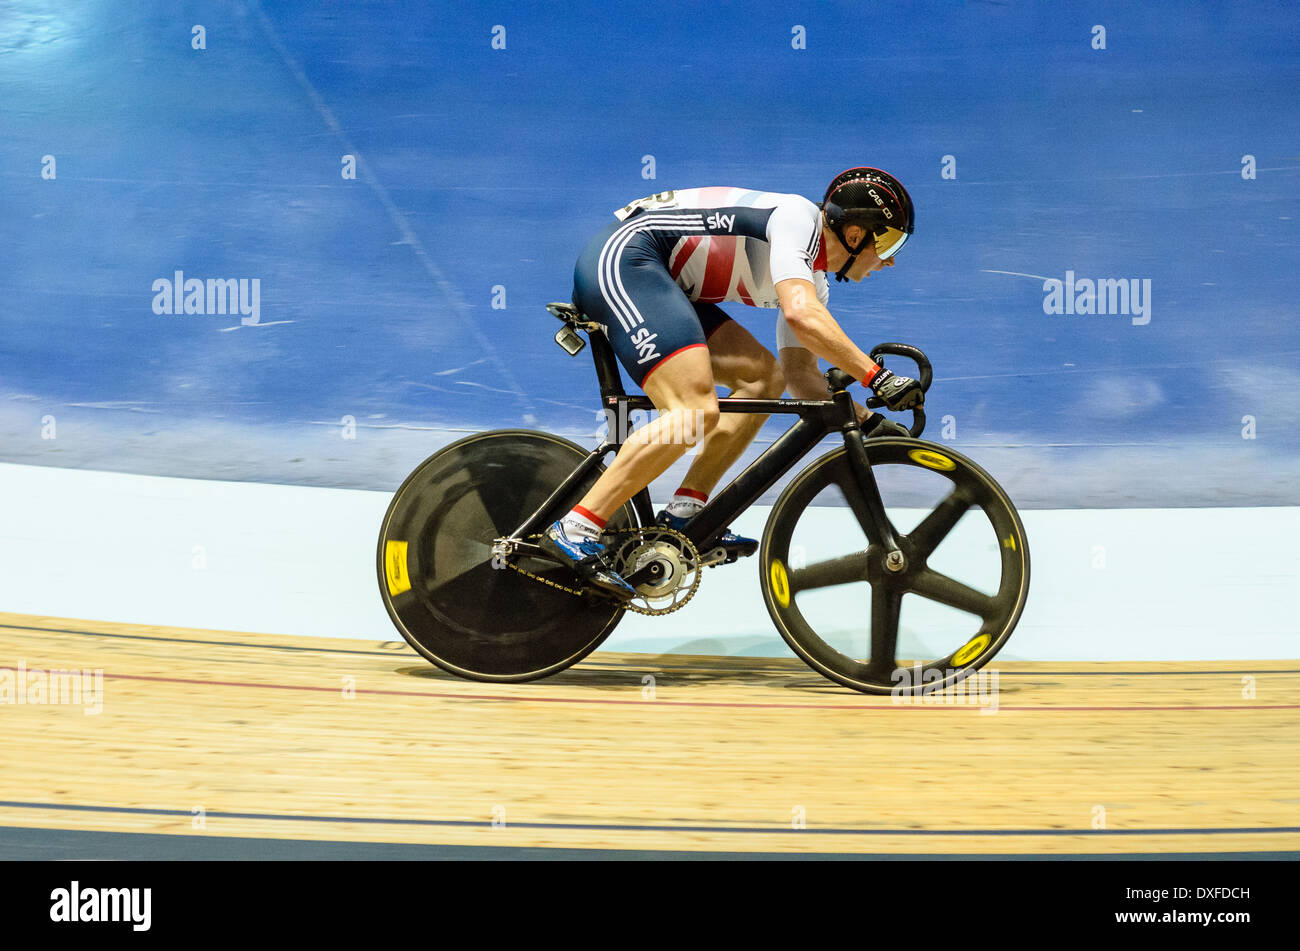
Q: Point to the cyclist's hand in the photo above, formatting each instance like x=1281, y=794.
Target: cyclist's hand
x=876, y=426
x=898, y=392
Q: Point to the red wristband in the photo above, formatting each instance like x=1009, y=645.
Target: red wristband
x=866, y=380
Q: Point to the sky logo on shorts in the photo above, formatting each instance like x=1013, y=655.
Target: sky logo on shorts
x=721, y=222
x=644, y=341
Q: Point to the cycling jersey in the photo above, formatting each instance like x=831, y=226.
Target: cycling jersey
x=654, y=277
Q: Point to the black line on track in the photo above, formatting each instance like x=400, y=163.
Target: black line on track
x=601, y=827
x=406, y=651
x=28, y=844
x=181, y=640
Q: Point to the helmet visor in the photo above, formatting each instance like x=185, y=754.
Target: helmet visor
x=889, y=241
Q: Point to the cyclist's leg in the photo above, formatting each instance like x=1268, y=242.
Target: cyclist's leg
x=621, y=282
x=657, y=336
x=682, y=390
x=742, y=363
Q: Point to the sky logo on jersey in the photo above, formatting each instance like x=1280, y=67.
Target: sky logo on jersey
x=644, y=341
x=721, y=222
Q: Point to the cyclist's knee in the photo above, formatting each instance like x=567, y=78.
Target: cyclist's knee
x=707, y=414
x=694, y=414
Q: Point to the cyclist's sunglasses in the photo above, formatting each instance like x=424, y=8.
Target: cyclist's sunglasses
x=888, y=241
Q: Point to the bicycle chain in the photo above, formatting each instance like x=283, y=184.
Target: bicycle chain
x=688, y=546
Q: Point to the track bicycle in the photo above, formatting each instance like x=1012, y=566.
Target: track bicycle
x=464, y=581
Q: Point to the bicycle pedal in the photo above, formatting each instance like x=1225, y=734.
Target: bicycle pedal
x=716, y=556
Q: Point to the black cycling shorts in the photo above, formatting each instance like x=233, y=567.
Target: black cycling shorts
x=621, y=281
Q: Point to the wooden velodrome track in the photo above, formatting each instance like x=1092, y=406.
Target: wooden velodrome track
x=287, y=739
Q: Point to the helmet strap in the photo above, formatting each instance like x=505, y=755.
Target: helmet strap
x=841, y=274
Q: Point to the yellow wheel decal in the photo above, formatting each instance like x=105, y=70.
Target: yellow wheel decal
x=780, y=583
x=395, y=567
x=972, y=649
x=932, y=460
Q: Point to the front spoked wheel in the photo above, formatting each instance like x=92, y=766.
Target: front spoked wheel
x=909, y=625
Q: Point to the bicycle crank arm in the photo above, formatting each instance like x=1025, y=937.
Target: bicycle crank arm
x=647, y=575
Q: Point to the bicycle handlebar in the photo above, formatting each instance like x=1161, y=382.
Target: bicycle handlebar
x=915, y=354
x=839, y=380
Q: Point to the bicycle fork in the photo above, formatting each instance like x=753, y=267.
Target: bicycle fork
x=879, y=530
x=870, y=508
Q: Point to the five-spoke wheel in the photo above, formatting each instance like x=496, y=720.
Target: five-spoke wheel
x=915, y=619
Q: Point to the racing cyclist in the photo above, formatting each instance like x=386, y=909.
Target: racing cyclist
x=653, y=279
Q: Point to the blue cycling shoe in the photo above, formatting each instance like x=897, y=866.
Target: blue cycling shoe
x=589, y=559
x=736, y=546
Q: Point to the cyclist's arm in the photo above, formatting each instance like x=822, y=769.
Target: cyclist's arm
x=815, y=328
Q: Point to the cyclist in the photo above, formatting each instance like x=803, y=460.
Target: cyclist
x=653, y=279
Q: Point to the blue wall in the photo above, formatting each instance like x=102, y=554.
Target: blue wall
x=483, y=167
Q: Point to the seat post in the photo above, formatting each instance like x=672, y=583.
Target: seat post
x=602, y=354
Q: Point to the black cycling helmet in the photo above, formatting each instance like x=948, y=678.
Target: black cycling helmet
x=873, y=200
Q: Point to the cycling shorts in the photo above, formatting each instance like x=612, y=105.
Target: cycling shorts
x=622, y=283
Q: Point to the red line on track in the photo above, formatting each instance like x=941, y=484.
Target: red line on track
x=916, y=705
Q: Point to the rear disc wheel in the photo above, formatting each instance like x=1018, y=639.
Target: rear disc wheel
x=467, y=614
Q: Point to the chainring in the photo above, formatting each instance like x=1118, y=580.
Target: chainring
x=677, y=559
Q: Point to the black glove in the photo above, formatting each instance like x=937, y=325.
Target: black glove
x=898, y=392
x=875, y=426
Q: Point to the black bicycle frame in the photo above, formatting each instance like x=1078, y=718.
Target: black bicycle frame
x=817, y=419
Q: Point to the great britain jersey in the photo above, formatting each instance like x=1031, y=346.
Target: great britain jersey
x=734, y=244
